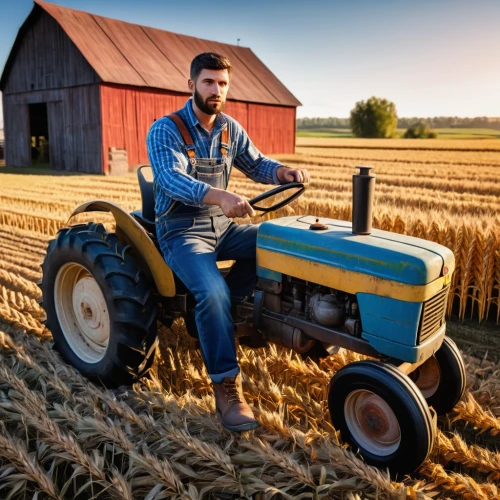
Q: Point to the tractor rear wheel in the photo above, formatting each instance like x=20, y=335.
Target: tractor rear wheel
x=380, y=412
x=99, y=305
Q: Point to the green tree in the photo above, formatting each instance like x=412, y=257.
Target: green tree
x=419, y=131
x=375, y=117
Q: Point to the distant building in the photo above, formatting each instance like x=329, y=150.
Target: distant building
x=92, y=86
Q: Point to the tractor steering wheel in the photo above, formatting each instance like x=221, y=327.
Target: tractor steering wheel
x=300, y=188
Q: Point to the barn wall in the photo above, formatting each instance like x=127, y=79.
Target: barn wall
x=128, y=113
x=17, y=149
x=47, y=59
x=272, y=128
x=74, y=128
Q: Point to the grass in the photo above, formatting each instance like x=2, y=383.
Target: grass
x=443, y=133
x=324, y=132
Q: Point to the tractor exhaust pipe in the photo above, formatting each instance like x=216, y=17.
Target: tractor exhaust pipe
x=363, y=187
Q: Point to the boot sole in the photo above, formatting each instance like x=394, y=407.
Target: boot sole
x=238, y=428
x=241, y=427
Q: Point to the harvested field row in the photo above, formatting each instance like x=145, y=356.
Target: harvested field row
x=403, y=144
x=460, y=158
x=387, y=171
x=25, y=248
x=20, y=271
x=16, y=234
x=337, y=192
x=476, y=282
x=21, y=261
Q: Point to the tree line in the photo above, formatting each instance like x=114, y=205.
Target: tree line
x=433, y=122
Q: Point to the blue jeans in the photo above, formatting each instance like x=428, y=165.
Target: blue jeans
x=191, y=247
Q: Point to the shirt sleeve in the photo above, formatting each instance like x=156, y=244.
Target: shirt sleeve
x=170, y=167
x=253, y=163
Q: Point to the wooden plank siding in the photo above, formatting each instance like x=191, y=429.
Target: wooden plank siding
x=272, y=128
x=74, y=128
x=17, y=148
x=47, y=59
x=128, y=113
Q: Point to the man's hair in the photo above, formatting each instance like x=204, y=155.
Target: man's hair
x=209, y=60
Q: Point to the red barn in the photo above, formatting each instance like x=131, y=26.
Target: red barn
x=91, y=85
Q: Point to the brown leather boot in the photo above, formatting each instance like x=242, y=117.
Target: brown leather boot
x=231, y=406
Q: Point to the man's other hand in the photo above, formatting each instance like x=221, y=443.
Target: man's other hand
x=233, y=205
x=287, y=174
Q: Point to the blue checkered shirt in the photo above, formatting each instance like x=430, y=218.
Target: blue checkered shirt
x=171, y=167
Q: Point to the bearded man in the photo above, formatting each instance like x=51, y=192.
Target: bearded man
x=192, y=152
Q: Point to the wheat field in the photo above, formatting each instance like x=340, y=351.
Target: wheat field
x=63, y=437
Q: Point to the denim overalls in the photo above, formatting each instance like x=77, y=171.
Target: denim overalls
x=192, y=239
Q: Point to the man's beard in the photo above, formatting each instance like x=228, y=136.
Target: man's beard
x=209, y=108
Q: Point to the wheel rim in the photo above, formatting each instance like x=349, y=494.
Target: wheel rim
x=82, y=312
x=427, y=377
x=372, y=423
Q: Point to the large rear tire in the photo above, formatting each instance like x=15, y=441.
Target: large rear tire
x=380, y=412
x=99, y=305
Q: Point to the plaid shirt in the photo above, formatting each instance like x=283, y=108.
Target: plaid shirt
x=171, y=167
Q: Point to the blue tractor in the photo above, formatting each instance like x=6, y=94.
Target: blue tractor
x=322, y=285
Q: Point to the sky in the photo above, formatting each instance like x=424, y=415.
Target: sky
x=430, y=57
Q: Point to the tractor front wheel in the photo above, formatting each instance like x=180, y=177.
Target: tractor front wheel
x=99, y=305
x=380, y=412
x=442, y=378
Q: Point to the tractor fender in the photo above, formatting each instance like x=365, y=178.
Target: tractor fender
x=138, y=237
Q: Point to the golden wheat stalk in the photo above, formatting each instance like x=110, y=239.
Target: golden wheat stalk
x=456, y=450
x=460, y=484
x=16, y=283
x=469, y=410
x=22, y=303
x=19, y=236
x=31, y=407
x=90, y=429
x=14, y=451
x=94, y=431
x=488, y=393
x=19, y=271
x=21, y=320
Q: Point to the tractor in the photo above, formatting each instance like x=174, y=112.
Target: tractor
x=321, y=285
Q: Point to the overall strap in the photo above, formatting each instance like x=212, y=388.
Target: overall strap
x=186, y=136
x=225, y=144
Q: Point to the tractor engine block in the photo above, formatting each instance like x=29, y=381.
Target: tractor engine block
x=311, y=302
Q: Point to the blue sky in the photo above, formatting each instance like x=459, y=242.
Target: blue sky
x=431, y=57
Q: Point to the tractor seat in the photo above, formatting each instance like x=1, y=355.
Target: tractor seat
x=146, y=216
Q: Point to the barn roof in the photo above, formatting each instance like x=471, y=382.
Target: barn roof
x=130, y=54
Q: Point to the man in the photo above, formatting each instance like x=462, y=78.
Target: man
x=191, y=153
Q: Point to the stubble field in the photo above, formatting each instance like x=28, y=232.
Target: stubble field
x=64, y=437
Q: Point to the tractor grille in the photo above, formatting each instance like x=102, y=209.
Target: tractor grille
x=433, y=311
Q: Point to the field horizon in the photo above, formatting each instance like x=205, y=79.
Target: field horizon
x=443, y=133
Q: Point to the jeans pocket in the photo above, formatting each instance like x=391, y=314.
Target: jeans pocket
x=174, y=228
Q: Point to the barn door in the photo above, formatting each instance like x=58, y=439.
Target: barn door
x=17, y=128
x=56, y=135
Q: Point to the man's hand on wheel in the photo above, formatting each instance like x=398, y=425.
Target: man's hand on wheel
x=287, y=174
x=233, y=205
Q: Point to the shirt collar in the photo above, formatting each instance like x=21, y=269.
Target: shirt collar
x=192, y=120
